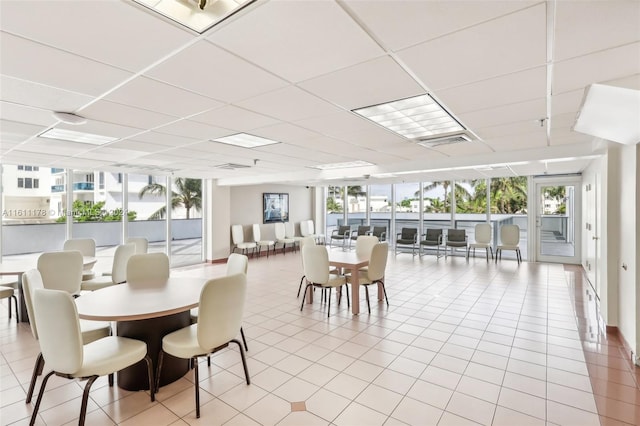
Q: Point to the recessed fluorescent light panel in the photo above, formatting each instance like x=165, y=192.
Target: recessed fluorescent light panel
x=199, y=15
x=74, y=136
x=245, y=140
x=346, y=165
x=412, y=118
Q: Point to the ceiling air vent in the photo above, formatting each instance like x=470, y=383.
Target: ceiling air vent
x=231, y=166
x=446, y=140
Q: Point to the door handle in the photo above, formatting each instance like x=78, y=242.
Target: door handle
x=595, y=238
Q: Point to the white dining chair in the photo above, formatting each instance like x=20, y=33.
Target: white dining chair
x=90, y=330
x=7, y=292
x=148, y=267
x=482, y=236
x=65, y=353
x=118, y=271
x=376, y=271
x=257, y=238
x=303, y=242
x=281, y=237
x=509, y=240
x=237, y=236
x=221, y=310
x=86, y=246
x=61, y=270
x=236, y=264
x=316, y=269
x=141, y=243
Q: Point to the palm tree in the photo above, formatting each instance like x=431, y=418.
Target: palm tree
x=461, y=191
x=509, y=194
x=189, y=196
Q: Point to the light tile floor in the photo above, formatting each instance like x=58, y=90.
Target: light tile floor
x=461, y=343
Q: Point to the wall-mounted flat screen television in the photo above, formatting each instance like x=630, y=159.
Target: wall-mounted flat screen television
x=275, y=207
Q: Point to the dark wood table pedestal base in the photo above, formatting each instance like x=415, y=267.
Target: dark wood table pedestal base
x=152, y=331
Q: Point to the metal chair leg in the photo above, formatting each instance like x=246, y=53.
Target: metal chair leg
x=246, y=348
x=39, y=399
x=85, y=399
x=37, y=370
x=197, y=385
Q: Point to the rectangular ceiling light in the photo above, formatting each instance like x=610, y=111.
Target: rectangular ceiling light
x=73, y=136
x=416, y=117
x=199, y=15
x=245, y=140
x=611, y=113
x=346, y=165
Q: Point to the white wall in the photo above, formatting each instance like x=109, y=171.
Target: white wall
x=626, y=215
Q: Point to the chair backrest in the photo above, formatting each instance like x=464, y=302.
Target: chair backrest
x=380, y=232
x=237, y=264
x=31, y=280
x=306, y=241
x=315, y=260
x=120, y=260
x=289, y=230
x=433, y=234
x=86, y=246
x=58, y=330
x=142, y=244
x=364, y=245
x=363, y=230
x=510, y=235
x=148, y=267
x=312, y=229
x=457, y=235
x=280, y=231
x=237, y=234
x=408, y=233
x=483, y=233
x=378, y=261
x=304, y=228
x=221, y=310
x=344, y=229
x=61, y=270
x=256, y=232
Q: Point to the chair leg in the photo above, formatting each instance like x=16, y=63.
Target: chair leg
x=300, y=286
x=151, y=378
x=348, y=300
x=244, y=362
x=366, y=290
x=208, y=360
x=37, y=370
x=384, y=291
x=329, y=305
x=85, y=399
x=39, y=399
x=110, y=377
x=246, y=348
x=159, y=370
x=491, y=248
x=196, y=380
x=304, y=296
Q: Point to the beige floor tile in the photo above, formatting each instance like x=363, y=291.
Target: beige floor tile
x=356, y=414
x=564, y=415
x=269, y=410
x=302, y=418
x=157, y=415
x=522, y=402
x=479, y=389
x=412, y=412
x=394, y=381
x=430, y=393
x=345, y=385
x=572, y=397
x=295, y=389
x=449, y=419
x=379, y=399
x=326, y=405
x=471, y=408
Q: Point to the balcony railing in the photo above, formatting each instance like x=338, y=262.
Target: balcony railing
x=57, y=188
x=55, y=171
x=83, y=186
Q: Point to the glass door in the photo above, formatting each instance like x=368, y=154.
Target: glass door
x=557, y=221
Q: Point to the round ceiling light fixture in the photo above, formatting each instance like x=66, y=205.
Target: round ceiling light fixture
x=69, y=118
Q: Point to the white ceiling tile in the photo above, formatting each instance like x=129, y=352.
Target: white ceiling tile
x=598, y=67
x=289, y=104
x=301, y=31
x=351, y=87
x=502, y=46
x=629, y=82
x=112, y=112
x=111, y=32
x=15, y=131
x=219, y=74
x=193, y=129
x=153, y=95
x=33, y=158
x=518, y=142
x=111, y=154
x=234, y=118
x=566, y=102
x=510, y=129
x=509, y=89
x=36, y=95
x=399, y=24
x=53, y=146
x=587, y=26
x=101, y=128
x=285, y=132
x=137, y=146
x=523, y=111
x=28, y=60
x=464, y=148
x=163, y=139
x=26, y=114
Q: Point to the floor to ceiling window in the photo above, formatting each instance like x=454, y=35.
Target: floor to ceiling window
x=407, y=206
x=335, y=208
x=147, y=199
x=509, y=197
x=186, y=221
x=470, y=205
x=380, y=206
x=436, y=197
